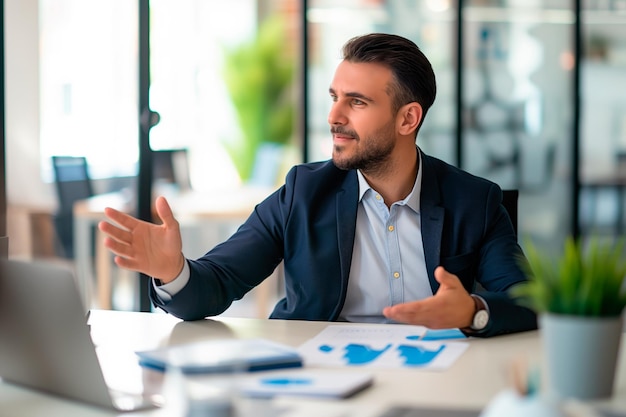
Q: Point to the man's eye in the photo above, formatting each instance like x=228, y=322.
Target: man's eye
x=358, y=102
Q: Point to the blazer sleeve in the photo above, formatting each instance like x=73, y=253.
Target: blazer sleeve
x=232, y=268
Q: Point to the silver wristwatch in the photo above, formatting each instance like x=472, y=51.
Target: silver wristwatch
x=481, y=315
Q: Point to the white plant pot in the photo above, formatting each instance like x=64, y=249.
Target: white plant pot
x=581, y=354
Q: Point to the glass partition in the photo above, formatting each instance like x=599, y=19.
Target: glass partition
x=517, y=106
x=88, y=84
x=603, y=123
x=188, y=43
x=89, y=81
x=428, y=23
x=517, y=73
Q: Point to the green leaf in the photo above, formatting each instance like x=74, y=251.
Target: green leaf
x=582, y=281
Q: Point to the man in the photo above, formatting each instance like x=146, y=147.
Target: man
x=382, y=233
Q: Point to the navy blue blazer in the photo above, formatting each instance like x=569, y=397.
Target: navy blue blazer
x=309, y=223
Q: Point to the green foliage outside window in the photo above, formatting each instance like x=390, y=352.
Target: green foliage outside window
x=259, y=76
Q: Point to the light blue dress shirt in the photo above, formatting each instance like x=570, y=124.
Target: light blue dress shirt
x=388, y=265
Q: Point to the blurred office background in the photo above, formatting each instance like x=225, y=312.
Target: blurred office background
x=530, y=95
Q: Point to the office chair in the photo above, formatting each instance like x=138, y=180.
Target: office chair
x=72, y=184
x=171, y=166
x=510, y=201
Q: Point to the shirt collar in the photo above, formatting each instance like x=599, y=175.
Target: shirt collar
x=363, y=184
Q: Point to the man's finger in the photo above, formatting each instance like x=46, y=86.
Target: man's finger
x=445, y=278
x=164, y=212
x=405, y=312
x=126, y=263
x=114, y=231
x=118, y=248
x=125, y=220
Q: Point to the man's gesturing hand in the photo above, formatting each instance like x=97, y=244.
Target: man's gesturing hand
x=450, y=307
x=155, y=250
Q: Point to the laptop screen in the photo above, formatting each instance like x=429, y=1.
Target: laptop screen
x=45, y=342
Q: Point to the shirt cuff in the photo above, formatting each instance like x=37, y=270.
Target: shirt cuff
x=165, y=292
x=482, y=300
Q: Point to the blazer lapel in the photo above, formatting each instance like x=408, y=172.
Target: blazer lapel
x=432, y=215
x=346, y=209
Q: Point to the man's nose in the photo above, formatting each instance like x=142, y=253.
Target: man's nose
x=336, y=115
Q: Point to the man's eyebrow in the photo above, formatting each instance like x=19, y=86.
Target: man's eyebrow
x=353, y=95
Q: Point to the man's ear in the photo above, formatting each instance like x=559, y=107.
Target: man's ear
x=409, y=118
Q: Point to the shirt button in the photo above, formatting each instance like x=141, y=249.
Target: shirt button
x=396, y=275
x=391, y=228
x=378, y=197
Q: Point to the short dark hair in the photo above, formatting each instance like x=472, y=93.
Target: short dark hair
x=414, y=79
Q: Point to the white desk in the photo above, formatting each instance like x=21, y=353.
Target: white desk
x=222, y=209
x=478, y=375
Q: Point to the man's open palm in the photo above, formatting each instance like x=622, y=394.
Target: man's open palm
x=155, y=250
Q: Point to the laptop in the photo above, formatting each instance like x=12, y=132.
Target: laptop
x=45, y=342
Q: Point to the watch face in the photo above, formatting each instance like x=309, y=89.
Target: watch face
x=481, y=318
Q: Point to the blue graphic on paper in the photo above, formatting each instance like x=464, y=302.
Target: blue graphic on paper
x=361, y=354
x=417, y=355
x=287, y=381
x=414, y=337
x=357, y=354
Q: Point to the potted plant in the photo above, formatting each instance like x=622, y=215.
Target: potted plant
x=579, y=296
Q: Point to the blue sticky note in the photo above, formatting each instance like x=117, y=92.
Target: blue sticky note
x=443, y=334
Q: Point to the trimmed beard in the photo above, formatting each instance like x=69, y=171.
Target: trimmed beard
x=371, y=157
